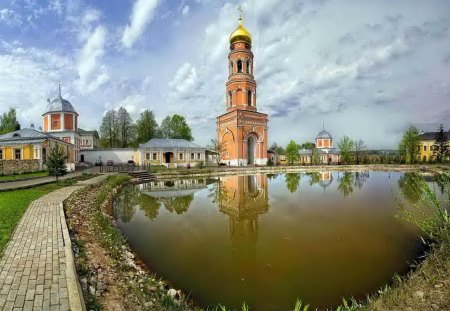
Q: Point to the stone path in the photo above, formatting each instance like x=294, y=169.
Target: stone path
x=37, y=270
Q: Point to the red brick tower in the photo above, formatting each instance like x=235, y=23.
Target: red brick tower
x=242, y=131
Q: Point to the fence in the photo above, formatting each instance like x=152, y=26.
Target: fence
x=11, y=167
x=124, y=168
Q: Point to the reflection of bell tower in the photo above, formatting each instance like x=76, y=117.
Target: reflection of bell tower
x=243, y=199
x=242, y=131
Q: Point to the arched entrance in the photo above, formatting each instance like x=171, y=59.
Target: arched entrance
x=251, y=150
x=168, y=156
x=44, y=155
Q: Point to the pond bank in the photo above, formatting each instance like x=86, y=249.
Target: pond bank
x=111, y=276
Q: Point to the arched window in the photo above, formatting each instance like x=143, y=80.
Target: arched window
x=231, y=67
x=249, y=97
x=248, y=66
x=230, y=99
x=239, y=66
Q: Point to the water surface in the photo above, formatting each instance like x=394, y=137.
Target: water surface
x=270, y=239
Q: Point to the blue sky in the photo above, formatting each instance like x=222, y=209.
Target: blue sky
x=368, y=69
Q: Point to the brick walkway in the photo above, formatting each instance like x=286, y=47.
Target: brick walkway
x=37, y=270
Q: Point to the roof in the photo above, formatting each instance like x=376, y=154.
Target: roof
x=169, y=143
x=84, y=132
x=59, y=104
x=324, y=135
x=432, y=135
x=25, y=135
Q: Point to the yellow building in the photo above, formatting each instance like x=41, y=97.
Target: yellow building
x=26, y=150
x=426, y=150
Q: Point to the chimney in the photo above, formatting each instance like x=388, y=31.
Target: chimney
x=32, y=126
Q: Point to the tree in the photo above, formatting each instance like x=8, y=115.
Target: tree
x=359, y=147
x=146, y=127
x=176, y=127
x=56, y=162
x=278, y=149
x=345, y=146
x=109, y=129
x=441, y=147
x=292, y=152
x=410, y=144
x=308, y=145
x=125, y=127
x=219, y=148
x=315, y=157
x=8, y=122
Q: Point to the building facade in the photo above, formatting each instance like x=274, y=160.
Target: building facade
x=88, y=140
x=242, y=130
x=26, y=150
x=326, y=153
x=426, y=149
x=171, y=152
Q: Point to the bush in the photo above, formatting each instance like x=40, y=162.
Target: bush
x=200, y=164
x=270, y=162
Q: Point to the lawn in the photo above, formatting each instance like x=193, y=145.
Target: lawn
x=24, y=175
x=12, y=206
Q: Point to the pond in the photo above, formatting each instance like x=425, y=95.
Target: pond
x=269, y=239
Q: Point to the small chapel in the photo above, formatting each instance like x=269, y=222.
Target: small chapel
x=242, y=130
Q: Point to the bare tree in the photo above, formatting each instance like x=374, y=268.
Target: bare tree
x=359, y=148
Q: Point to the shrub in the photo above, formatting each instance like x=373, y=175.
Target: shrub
x=200, y=164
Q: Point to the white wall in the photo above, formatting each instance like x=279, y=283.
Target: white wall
x=117, y=155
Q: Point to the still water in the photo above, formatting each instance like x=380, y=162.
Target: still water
x=270, y=239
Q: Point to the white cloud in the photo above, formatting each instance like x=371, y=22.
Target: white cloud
x=185, y=10
x=92, y=74
x=10, y=17
x=142, y=14
x=185, y=79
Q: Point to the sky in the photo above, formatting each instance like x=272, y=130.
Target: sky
x=366, y=69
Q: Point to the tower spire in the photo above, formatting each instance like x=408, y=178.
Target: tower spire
x=59, y=88
x=323, y=125
x=240, y=14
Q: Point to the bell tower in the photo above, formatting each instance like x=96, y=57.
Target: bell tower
x=242, y=131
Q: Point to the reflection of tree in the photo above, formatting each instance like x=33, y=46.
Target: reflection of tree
x=149, y=205
x=443, y=182
x=272, y=176
x=360, y=179
x=178, y=205
x=411, y=186
x=124, y=204
x=292, y=181
x=314, y=178
x=345, y=186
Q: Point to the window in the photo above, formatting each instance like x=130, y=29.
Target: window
x=231, y=68
x=248, y=66
x=192, y=156
x=17, y=154
x=249, y=98
x=198, y=155
x=181, y=156
x=147, y=156
x=230, y=98
x=239, y=66
x=154, y=156
x=424, y=148
x=1, y=154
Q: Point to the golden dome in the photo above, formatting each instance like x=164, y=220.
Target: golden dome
x=240, y=34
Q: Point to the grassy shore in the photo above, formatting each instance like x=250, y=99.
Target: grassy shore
x=12, y=206
x=23, y=176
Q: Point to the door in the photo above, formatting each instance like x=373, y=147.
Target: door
x=251, y=150
x=167, y=155
x=82, y=158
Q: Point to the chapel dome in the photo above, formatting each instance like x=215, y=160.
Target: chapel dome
x=324, y=135
x=59, y=104
x=240, y=34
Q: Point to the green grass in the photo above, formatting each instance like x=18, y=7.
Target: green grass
x=24, y=175
x=12, y=206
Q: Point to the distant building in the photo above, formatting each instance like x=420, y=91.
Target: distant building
x=89, y=139
x=171, y=152
x=326, y=152
x=426, y=149
x=61, y=120
x=26, y=150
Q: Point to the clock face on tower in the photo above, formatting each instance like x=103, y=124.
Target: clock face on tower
x=242, y=130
